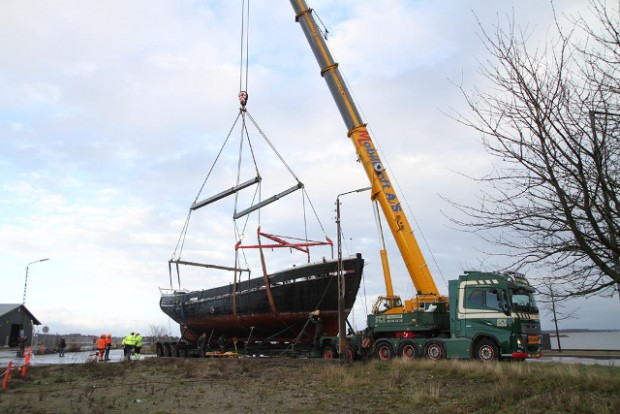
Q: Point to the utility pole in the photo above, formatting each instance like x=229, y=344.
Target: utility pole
x=342, y=336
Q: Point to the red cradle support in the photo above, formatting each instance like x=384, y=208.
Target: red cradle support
x=281, y=241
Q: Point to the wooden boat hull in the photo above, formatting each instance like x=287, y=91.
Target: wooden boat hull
x=296, y=293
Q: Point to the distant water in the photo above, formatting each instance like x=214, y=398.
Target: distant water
x=588, y=340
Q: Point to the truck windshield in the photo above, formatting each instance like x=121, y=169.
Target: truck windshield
x=524, y=301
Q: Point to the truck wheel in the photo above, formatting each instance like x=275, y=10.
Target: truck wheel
x=434, y=350
x=407, y=349
x=487, y=351
x=384, y=350
x=328, y=353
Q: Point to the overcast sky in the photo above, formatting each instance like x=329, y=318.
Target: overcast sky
x=112, y=112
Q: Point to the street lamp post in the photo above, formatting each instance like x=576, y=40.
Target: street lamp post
x=23, y=339
x=342, y=338
x=26, y=281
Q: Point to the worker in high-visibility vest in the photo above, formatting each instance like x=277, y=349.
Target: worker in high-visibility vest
x=101, y=347
x=137, y=345
x=108, y=347
x=128, y=344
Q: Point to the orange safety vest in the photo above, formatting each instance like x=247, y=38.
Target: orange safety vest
x=101, y=343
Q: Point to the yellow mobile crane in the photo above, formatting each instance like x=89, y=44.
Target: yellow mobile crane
x=383, y=192
x=486, y=315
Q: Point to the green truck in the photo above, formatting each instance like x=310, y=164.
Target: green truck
x=489, y=316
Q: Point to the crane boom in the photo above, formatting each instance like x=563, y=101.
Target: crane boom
x=382, y=190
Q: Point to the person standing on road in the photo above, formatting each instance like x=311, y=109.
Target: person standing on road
x=62, y=344
x=22, y=346
x=137, y=345
x=108, y=347
x=101, y=347
x=128, y=344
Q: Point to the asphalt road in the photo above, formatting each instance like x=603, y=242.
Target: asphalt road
x=116, y=355
x=6, y=355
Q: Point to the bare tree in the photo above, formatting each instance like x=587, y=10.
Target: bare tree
x=157, y=332
x=550, y=118
x=556, y=308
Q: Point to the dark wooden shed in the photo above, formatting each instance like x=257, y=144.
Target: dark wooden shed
x=15, y=320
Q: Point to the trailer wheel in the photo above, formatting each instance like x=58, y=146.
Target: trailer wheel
x=159, y=349
x=434, y=350
x=487, y=350
x=167, y=349
x=351, y=353
x=328, y=353
x=407, y=349
x=384, y=350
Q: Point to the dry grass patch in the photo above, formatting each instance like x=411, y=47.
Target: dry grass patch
x=311, y=386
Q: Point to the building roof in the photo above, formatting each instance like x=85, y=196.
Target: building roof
x=9, y=307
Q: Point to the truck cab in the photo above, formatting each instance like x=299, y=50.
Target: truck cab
x=496, y=314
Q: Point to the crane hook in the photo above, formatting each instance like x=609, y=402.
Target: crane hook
x=243, y=98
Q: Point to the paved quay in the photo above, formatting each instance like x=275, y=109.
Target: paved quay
x=582, y=356
x=82, y=357
x=611, y=358
x=584, y=353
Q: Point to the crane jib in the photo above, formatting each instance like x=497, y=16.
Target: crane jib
x=382, y=189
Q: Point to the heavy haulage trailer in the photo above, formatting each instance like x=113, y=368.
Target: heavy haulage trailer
x=487, y=316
